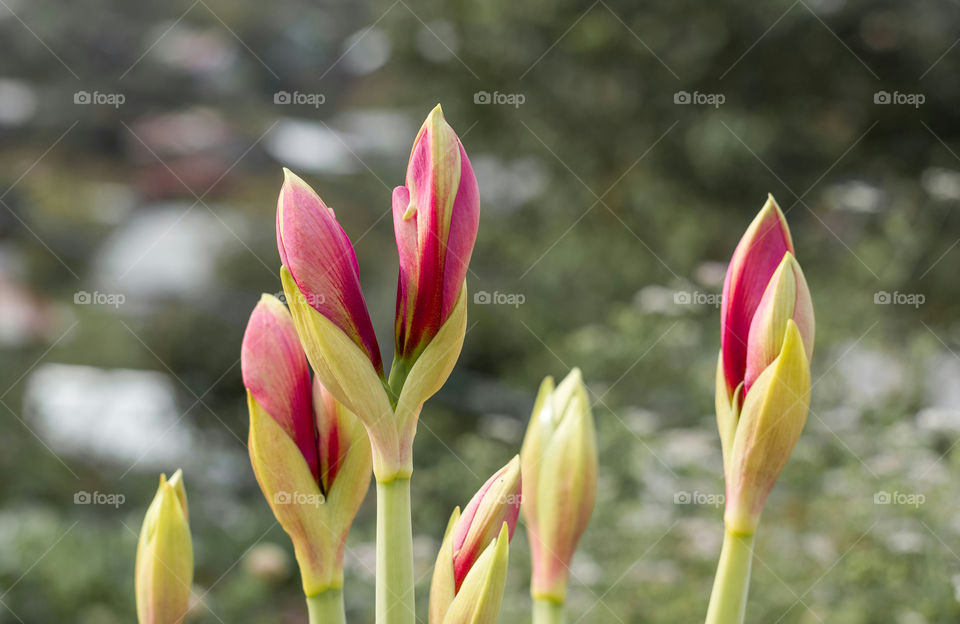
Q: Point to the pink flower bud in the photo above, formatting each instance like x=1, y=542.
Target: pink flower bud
x=435, y=217
x=321, y=260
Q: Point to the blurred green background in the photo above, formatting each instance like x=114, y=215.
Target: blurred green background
x=621, y=149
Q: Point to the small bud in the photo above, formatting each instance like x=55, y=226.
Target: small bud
x=495, y=505
x=164, y=569
x=559, y=463
x=479, y=598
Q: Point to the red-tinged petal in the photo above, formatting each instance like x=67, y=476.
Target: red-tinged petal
x=753, y=263
x=436, y=216
x=331, y=449
x=462, y=235
x=275, y=371
x=497, y=501
x=319, y=256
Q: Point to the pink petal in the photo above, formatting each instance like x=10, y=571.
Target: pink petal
x=321, y=260
x=275, y=371
x=331, y=452
x=753, y=263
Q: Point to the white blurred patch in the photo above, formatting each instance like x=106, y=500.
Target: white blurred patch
x=124, y=416
x=507, y=185
x=855, y=196
x=164, y=250
x=942, y=184
x=18, y=102
x=365, y=51
x=437, y=41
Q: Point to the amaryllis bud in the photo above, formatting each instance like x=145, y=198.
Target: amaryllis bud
x=435, y=217
x=495, y=505
x=763, y=376
x=164, y=569
x=477, y=599
x=498, y=501
x=559, y=464
x=275, y=372
x=315, y=504
x=321, y=260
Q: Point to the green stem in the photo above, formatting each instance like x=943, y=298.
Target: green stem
x=395, y=602
x=327, y=607
x=728, y=601
x=546, y=611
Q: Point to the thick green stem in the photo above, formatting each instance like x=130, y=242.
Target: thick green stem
x=546, y=611
x=728, y=601
x=327, y=607
x=395, y=603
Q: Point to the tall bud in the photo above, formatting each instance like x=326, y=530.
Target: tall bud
x=164, y=569
x=763, y=375
x=559, y=463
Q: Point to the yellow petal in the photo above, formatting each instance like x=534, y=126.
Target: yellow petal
x=296, y=501
x=773, y=415
x=443, y=585
x=480, y=596
x=164, y=568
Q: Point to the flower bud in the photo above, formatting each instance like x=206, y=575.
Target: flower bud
x=559, y=464
x=435, y=217
x=164, y=569
x=763, y=375
x=478, y=598
x=315, y=504
x=321, y=260
x=496, y=504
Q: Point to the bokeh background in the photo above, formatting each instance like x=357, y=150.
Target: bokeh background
x=621, y=149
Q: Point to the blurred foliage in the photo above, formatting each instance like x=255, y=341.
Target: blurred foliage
x=603, y=199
